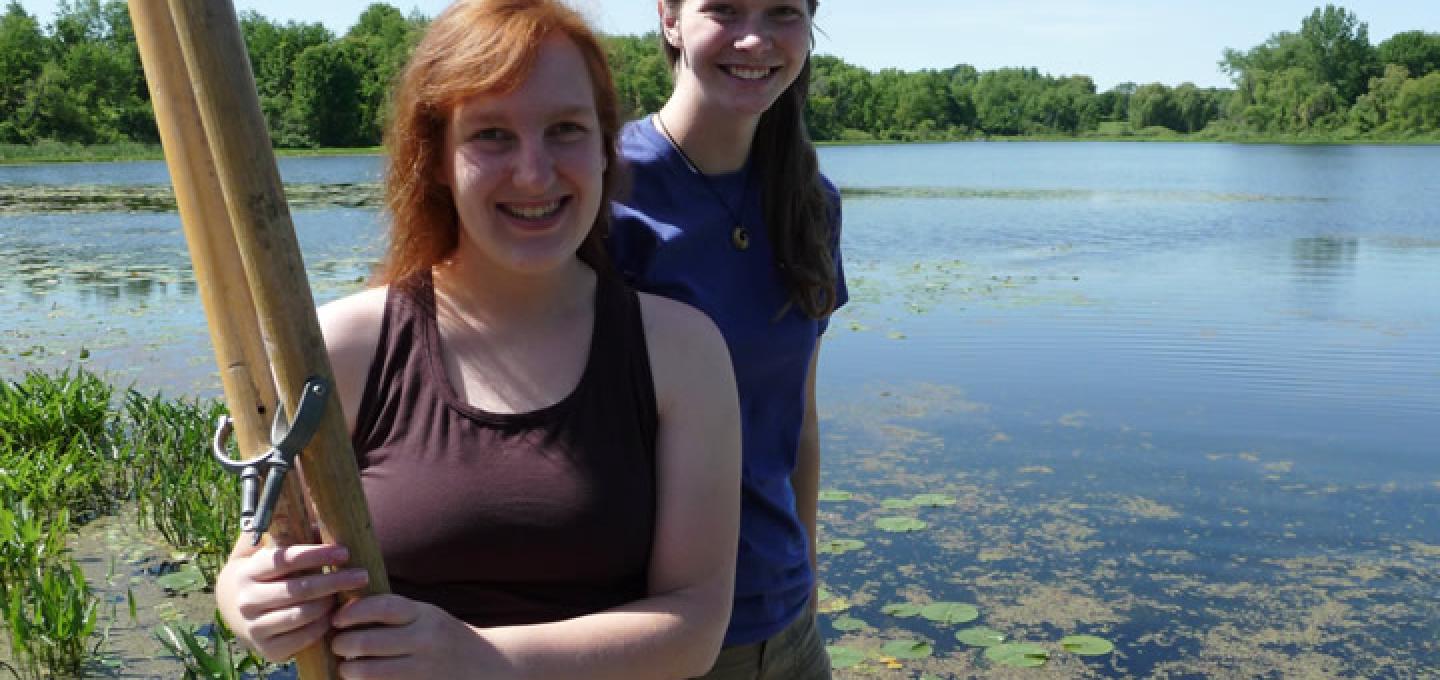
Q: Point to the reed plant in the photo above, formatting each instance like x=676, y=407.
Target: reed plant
x=48, y=610
x=68, y=453
x=213, y=656
x=187, y=498
x=57, y=443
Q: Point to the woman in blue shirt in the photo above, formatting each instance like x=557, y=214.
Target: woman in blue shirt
x=730, y=214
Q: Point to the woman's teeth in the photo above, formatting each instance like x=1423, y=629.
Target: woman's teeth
x=747, y=73
x=532, y=212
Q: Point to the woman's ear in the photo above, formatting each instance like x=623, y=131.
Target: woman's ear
x=669, y=24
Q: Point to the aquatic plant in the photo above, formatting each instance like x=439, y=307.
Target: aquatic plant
x=1086, y=645
x=190, y=501
x=1018, y=654
x=67, y=455
x=980, y=636
x=56, y=436
x=46, y=606
x=211, y=657
x=950, y=612
x=907, y=649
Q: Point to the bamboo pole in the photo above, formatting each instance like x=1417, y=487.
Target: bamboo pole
x=234, y=329
x=229, y=107
x=217, y=145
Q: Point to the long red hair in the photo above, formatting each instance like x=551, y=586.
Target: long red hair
x=476, y=47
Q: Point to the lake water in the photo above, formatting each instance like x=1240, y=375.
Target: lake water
x=1183, y=397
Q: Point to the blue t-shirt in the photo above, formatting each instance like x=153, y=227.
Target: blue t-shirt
x=673, y=237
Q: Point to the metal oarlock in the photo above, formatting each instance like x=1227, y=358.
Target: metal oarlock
x=287, y=440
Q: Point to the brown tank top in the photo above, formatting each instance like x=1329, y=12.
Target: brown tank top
x=504, y=519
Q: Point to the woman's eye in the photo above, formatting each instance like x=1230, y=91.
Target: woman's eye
x=490, y=135
x=787, y=12
x=719, y=9
x=568, y=131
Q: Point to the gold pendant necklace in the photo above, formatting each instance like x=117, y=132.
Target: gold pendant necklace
x=739, y=236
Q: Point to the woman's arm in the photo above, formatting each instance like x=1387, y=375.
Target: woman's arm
x=677, y=630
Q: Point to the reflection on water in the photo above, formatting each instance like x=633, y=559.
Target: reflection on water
x=1324, y=256
x=1183, y=397
x=1322, y=266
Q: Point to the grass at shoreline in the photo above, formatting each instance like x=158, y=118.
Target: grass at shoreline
x=55, y=152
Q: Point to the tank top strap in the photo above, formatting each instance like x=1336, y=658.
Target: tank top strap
x=391, y=367
x=622, y=352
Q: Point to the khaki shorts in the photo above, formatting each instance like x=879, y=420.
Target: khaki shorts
x=796, y=653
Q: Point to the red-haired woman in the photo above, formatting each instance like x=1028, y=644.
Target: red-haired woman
x=551, y=460
x=729, y=214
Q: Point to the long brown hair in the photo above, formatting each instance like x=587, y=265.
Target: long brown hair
x=476, y=47
x=797, y=208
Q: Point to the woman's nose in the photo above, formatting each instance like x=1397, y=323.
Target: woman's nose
x=752, y=35
x=534, y=167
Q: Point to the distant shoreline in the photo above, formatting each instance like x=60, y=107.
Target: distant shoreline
x=11, y=154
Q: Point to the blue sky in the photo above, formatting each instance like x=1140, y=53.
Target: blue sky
x=1112, y=41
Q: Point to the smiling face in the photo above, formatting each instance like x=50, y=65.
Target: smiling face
x=525, y=168
x=737, y=55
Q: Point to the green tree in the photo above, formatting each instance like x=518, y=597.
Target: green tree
x=383, y=40
x=642, y=76
x=1003, y=100
x=22, y=55
x=1194, y=108
x=850, y=89
x=1153, y=105
x=962, y=99
x=1337, y=50
x=1114, y=103
x=1070, y=105
x=1281, y=51
x=1418, y=104
x=1373, y=110
x=92, y=88
x=1417, y=51
x=325, y=102
x=273, y=49
x=923, y=100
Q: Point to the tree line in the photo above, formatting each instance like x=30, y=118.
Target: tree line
x=79, y=80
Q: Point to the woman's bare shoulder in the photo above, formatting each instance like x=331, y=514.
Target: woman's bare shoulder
x=354, y=319
x=351, y=326
x=688, y=356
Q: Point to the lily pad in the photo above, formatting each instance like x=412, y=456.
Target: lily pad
x=897, y=503
x=900, y=524
x=1018, y=654
x=848, y=623
x=186, y=579
x=950, y=612
x=1086, y=645
x=844, y=657
x=903, y=610
x=835, y=495
x=932, y=500
x=980, y=636
x=839, y=546
x=833, y=605
x=907, y=649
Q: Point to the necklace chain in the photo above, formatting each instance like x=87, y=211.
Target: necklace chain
x=739, y=236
